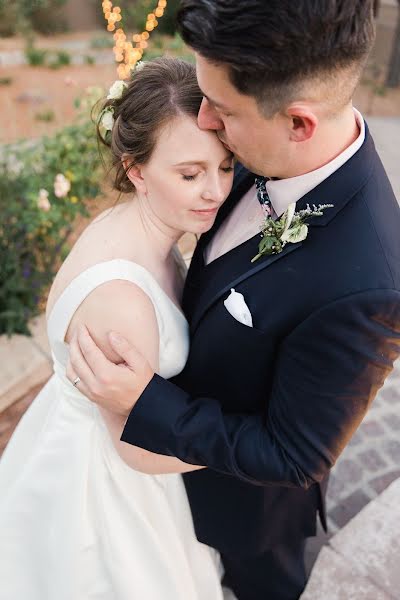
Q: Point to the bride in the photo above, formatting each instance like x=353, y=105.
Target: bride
x=82, y=515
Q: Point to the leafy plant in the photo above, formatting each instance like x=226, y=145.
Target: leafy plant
x=102, y=42
x=89, y=59
x=61, y=59
x=46, y=116
x=36, y=57
x=44, y=186
x=43, y=16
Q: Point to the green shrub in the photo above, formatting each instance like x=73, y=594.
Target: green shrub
x=9, y=13
x=101, y=42
x=36, y=57
x=47, y=116
x=37, y=218
x=43, y=16
x=89, y=59
x=63, y=58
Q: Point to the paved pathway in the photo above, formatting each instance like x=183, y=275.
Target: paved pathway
x=386, y=133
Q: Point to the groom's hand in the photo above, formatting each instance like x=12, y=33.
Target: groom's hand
x=114, y=387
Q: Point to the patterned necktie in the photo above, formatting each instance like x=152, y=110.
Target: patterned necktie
x=262, y=194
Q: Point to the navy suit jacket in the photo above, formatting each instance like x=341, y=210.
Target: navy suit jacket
x=269, y=409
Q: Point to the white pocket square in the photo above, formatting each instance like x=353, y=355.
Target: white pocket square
x=237, y=307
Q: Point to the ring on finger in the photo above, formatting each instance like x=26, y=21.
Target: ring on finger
x=76, y=381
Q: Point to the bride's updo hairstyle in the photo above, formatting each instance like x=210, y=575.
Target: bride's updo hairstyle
x=159, y=91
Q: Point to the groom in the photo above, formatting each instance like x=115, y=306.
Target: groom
x=269, y=408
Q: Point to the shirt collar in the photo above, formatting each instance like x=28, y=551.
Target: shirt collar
x=283, y=192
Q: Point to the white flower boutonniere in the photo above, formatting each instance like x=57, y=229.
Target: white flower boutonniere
x=289, y=228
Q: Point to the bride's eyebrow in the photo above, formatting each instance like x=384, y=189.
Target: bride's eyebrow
x=202, y=163
x=189, y=163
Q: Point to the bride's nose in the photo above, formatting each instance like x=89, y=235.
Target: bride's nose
x=214, y=191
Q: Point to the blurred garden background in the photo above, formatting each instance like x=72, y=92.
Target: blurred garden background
x=57, y=58
x=56, y=61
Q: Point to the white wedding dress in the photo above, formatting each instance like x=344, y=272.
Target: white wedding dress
x=76, y=523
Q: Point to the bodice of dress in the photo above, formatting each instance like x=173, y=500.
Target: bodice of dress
x=172, y=325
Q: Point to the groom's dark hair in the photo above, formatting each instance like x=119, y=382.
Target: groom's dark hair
x=272, y=46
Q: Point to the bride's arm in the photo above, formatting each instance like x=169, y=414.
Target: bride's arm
x=122, y=306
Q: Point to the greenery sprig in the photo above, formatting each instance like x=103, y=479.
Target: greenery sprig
x=291, y=228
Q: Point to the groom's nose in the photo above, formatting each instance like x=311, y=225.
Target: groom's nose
x=208, y=117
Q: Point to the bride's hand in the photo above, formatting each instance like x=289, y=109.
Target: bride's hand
x=114, y=387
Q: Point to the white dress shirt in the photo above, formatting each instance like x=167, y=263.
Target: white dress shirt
x=247, y=218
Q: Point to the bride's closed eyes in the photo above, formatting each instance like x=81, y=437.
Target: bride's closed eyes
x=193, y=177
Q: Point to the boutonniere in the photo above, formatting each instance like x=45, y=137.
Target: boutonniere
x=290, y=228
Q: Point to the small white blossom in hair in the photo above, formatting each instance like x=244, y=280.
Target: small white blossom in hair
x=139, y=65
x=116, y=90
x=107, y=118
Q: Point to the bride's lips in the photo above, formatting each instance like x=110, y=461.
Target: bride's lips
x=209, y=212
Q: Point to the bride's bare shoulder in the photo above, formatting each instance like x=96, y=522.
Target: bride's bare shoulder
x=100, y=241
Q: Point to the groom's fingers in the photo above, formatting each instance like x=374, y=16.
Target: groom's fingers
x=131, y=356
x=97, y=362
x=78, y=367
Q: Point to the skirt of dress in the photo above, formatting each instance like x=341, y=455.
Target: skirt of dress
x=77, y=523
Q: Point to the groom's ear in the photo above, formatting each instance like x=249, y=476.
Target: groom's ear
x=303, y=122
x=135, y=175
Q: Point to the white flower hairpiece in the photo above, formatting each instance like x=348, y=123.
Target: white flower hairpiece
x=116, y=90
x=106, y=118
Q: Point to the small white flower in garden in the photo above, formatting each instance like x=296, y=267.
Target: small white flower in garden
x=43, y=201
x=70, y=81
x=107, y=120
x=61, y=186
x=116, y=90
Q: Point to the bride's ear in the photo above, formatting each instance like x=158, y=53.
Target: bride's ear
x=134, y=174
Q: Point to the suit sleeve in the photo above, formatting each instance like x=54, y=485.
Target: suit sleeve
x=328, y=371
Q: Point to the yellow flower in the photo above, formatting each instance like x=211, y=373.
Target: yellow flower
x=69, y=175
x=74, y=200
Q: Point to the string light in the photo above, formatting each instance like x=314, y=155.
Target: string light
x=126, y=53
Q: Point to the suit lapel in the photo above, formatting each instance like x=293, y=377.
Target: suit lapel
x=230, y=270
x=234, y=267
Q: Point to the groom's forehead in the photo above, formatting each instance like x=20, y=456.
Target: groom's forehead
x=217, y=87
x=215, y=83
